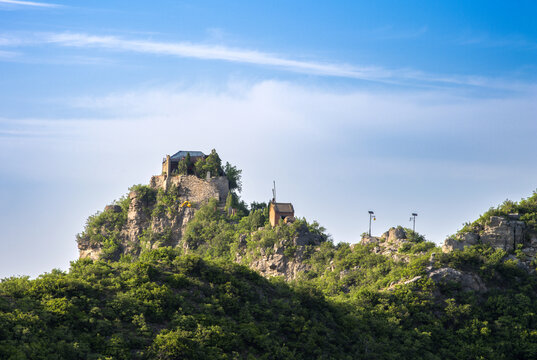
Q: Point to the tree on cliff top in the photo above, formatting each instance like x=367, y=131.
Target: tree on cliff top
x=233, y=176
x=184, y=164
x=211, y=163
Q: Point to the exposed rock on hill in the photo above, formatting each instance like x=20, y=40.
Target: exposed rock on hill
x=389, y=244
x=498, y=232
x=153, y=216
x=287, y=257
x=467, y=280
x=505, y=233
x=147, y=223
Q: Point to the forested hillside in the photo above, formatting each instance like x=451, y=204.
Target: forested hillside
x=168, y=305
x=233, y=287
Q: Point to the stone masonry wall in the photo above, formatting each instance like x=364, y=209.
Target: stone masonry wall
x=194, y=189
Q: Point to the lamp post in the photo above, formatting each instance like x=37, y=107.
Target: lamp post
x=413, y=219
x=371, y=216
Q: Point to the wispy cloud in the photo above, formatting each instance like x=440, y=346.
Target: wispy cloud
x=395, y=148
x=28, y=3
x=487, y=40
x=399, y=76
x=8, y=54
x=238, y=55
x=215, y=52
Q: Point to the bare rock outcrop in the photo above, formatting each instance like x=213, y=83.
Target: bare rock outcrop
x=286, y=258
x=468, y=281
x=460, y=242
x=88, y=250
x=389, y=243
x=503, y=233
x=148, y=229
x=506, y=233
x=394, y=234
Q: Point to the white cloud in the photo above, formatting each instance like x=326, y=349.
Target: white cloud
x=214, y=52
x=334, y=154
x=28, y=3
x=8, y=54
x=490, y=40
x=402, y=76
x=217, y=52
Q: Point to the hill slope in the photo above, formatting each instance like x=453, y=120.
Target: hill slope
x=226, y=285
x=171, y=306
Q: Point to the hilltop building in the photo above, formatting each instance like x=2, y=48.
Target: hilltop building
x=169, y=163
x=281, y=212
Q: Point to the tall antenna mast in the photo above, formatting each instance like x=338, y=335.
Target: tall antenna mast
x=274, y=191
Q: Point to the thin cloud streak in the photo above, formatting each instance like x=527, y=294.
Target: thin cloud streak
x=208, y=52
x=401, y=76
x=215, y=52
x=8, y=54
x=28, y=3
x=488, y=40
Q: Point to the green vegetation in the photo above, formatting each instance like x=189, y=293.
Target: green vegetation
x=167, y=305
x=164, y=306
x=211, y=163
x=184, y=165
x=350, y=304
x=105, y=227
x=234, y=177
x=213, y=233
x=194, y=302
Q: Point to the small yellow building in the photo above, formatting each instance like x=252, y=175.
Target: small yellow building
x=281, y=211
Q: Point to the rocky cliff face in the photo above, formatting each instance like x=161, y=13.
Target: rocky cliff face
x=153, y=217
x=505, y=233
x=287, y=258
x=498, y=232
x=149, y=224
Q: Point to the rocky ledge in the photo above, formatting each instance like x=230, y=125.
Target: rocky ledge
x=505, y=233
x=287, y=258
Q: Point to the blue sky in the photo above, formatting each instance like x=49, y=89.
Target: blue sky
x=350, y=106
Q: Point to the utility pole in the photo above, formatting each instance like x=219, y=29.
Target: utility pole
x=371, y=216
x=413, y=219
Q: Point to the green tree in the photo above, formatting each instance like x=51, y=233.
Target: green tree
x=234, y=177
x=213, y=164
x=230, y=201
x=184, y=165
x=257, y=206
x=199, y=168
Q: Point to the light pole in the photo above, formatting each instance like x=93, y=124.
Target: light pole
x=413, y=219
x=371, y=216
